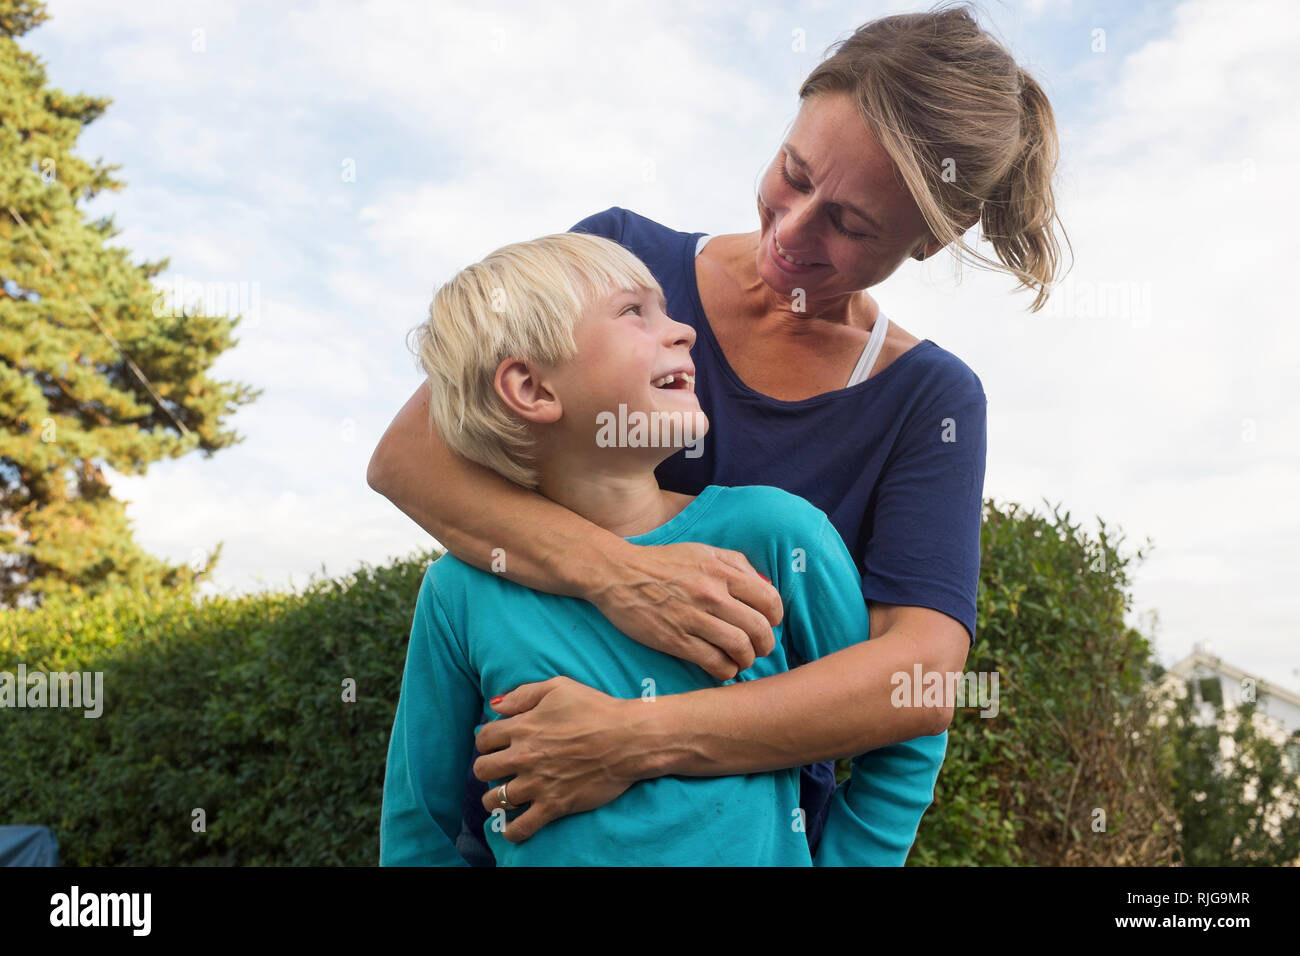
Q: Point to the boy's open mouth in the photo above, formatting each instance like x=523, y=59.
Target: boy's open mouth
x=676, y=380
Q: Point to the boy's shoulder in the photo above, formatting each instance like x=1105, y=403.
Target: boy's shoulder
x=454, y=583
x=738, y=514
x=772, y=509
x=770, y=495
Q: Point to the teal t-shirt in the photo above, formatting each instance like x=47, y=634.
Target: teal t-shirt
x=477, y=634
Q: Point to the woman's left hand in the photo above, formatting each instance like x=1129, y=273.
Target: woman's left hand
x=568, y=748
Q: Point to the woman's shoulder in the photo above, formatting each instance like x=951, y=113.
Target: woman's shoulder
x=630, y=228
x=663, y=250
x=930, y=373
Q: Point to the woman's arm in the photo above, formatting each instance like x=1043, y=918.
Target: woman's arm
x=577, y=748
x=698, y=603
x=840, y=705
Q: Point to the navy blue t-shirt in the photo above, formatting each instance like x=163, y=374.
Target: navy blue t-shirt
x=896, y=462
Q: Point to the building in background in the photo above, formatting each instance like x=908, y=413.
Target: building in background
x=1214, y=681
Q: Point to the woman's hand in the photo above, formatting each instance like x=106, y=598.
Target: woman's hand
x=694, y=602
x=567, y=751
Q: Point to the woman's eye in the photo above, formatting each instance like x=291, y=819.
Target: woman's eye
x=785, y=171
x=803, y=188
x=850, y=234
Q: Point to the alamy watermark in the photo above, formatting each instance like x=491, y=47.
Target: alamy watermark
x=75, y=908
x=639, y=429
x=84, y=689
x=950, y=689
x=1128, y=301
x=180, y=297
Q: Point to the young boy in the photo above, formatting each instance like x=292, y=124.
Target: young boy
x=553, y=363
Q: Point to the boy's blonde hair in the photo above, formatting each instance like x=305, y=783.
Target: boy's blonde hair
x=522, y=301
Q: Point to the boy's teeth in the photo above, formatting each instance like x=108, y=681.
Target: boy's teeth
x=669, y=379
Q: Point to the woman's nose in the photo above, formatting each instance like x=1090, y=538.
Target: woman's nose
x=796, y=225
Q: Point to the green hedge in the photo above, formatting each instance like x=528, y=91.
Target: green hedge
x=234, y=706
x=1075, y=768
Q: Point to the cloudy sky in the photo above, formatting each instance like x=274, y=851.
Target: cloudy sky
x=343, y=159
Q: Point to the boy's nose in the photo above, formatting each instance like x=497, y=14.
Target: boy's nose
x=681, y=332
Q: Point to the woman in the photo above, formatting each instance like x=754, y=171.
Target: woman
x=910, y=132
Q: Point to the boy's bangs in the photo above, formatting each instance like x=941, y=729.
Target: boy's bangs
x=605, y=271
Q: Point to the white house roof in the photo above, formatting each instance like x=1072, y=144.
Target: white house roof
x=1200, y=659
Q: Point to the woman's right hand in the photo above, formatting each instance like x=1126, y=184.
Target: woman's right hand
x=696, y=602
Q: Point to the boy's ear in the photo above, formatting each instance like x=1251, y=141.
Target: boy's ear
x=521, y=388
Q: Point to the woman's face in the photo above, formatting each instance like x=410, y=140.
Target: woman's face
x=831, y=199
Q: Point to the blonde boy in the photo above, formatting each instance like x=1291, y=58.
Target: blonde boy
x=553, y=362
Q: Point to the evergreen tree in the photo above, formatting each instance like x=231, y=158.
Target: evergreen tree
x=90, y=374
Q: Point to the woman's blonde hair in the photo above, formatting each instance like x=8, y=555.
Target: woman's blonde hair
x=522, y=301
x=972, y=134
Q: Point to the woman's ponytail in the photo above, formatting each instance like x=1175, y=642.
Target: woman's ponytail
x=1018, y=217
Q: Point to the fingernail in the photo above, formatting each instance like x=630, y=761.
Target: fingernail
x=764, y=577
x=496, y=700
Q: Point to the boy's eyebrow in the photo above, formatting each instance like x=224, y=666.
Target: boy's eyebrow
x=641, y=293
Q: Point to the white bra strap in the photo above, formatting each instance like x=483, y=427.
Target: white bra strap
x=700, y=245
x=872, y=350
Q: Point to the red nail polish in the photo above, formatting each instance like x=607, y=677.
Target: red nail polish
x=496, y=700
x=764, y=577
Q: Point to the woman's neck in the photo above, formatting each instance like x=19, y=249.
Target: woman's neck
x=736, y=253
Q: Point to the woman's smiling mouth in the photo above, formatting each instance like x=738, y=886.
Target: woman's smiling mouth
x=787, y=262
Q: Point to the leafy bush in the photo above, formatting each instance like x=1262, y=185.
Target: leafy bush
x=1072, y=769
x=233, y=706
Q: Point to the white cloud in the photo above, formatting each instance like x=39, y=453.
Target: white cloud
x=273, y=537
x=1136, y=398
x=1178, y=421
